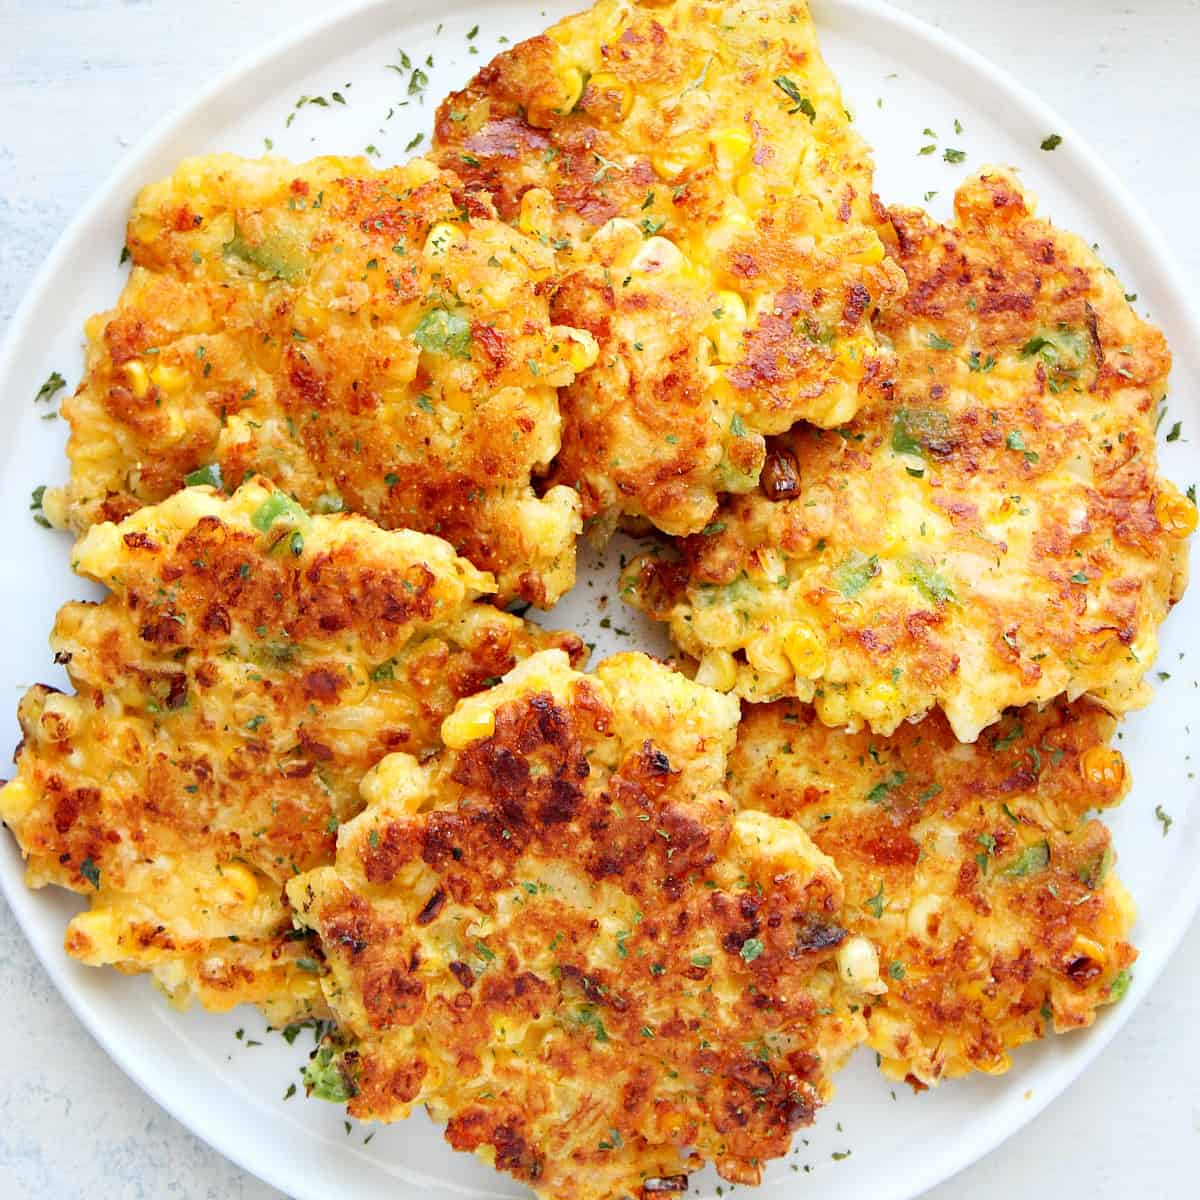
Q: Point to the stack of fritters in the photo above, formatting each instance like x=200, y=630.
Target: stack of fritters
x=913, y=548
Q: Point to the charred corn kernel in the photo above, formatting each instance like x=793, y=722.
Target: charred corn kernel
x=238, y=884
x=731, y=147
x=1103, y=766
x=1086, y=947
x=17, y=799
x=870, y=253
x=858, y=965
x=728, y=325
x=1176, y=515
x=613, y=95
x=805, y=649
x=92, y=936
x=466, y=724
x=138, y=377
x=169, y=379
x=580, y=347
x=657, y=256
x=440, y=238
x=717, y=670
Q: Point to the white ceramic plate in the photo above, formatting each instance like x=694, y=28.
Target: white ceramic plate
x=900, y=77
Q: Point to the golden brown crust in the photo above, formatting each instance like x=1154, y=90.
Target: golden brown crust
x=373, y=340
x=973, y=869
x=990, y=531
x=711, y=211
x=249, y=667
x=562, y=941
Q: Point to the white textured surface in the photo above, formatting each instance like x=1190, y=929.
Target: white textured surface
x=80, y=79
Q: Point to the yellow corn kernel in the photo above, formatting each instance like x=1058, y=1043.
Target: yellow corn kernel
x=882, y=694
x=1086, y=947
x=805, y=649
x=238, y=884
x=536, y=211
x=728, y=325
x=1176, y=515
x=17, y=798
x=751, y=189
x=993, y=1066
x=397, y=780
x=92, y=937
x=869, y=254
x=581, y=348
x=672, y=1126
x=138, y=377
x=542, y=111
x=441, y=238
x=657, y=256
x=310, y=314
x=1103, y=766
x=675, y=159
x=731, y=148
x=572, y=80
x=718, y=670
x=614, y=95
x=169, y=379
x=466, y=724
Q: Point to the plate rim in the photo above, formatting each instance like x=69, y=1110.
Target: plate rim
x=1149, y=247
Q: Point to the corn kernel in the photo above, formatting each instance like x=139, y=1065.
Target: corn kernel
x=92, y=937
x=536, y=211
x=614, y=95
x=466, y=724
x=731, y=148
x=858, y=965
x=169, y=379
x=17, y=798
x=871, y=253
x=1176, y=515
x=441, y=238
x=1103, y=766
x=675, y=159
x=138, y=377
x=728, y=325
x=717, y=670
x=1086, y=947
x=397, y=780
x=238, y=884
x=657, y=256
x=542, y=111
x=751, y=189
x=805, y=650
x=581, y=347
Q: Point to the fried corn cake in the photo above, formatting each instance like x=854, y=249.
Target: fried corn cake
x=695, y=167
x=373, y=340
x=972, y=870
x=250, y=665
x=991, y=531
x=560, y=938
